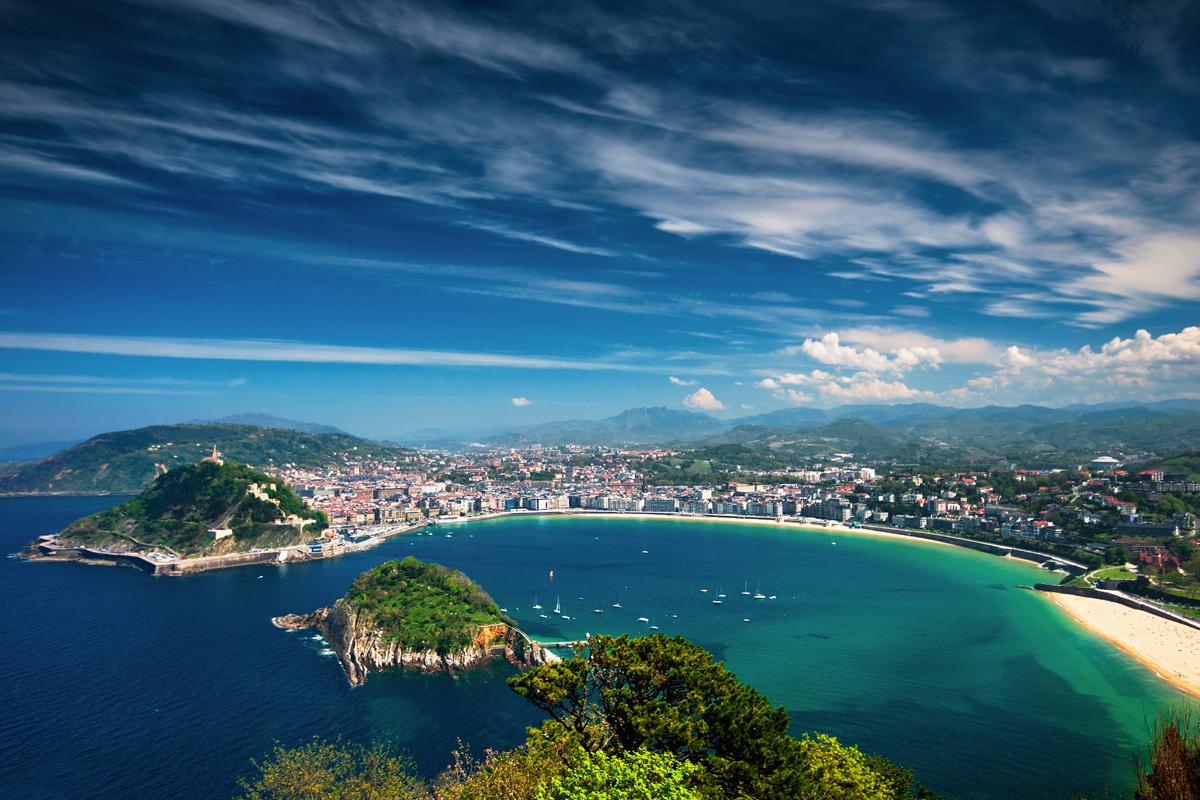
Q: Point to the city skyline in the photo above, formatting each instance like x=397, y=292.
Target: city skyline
x=391, y=216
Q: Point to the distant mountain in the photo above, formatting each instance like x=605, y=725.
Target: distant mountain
x=125, y=461
x=632, y=427
x=32, y=452
x=270, y=421
x=990, y=431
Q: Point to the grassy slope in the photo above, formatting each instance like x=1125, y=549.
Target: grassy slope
x=178, y=509
x=123, y=461
x=423, y=606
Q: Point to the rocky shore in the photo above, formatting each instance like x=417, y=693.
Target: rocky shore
x=363, y=648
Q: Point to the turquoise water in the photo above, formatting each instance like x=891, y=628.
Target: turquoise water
x=118, y=684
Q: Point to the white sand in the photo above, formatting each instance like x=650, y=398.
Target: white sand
x=1169, y=649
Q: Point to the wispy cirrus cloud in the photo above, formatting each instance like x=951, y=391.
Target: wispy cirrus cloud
x=294, y=352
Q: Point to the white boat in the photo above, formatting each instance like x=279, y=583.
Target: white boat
x=745, y=619
x=717, y=602
x=544, y=616
x=746, y=588
x=564, y=616
x=645, y=552
x=772, y=597
x=758, y=595
x=643, y=619
x=616, y=605
x=653, y=627
x=705, y=589
x=536, y=605
x=557, y=607
x=597, y=610
x=721, y=592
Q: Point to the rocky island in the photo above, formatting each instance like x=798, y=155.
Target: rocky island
x=416, y=615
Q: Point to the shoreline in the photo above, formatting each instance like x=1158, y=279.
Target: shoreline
x=1124, y=629
x=1167, y=649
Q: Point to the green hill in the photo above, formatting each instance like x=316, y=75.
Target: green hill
x=177, y=511
x=423, y=606
x=124, y=461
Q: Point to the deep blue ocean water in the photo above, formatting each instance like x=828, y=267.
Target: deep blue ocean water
x=116, y=684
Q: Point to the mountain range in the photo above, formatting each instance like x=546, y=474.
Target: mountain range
x=994, y=429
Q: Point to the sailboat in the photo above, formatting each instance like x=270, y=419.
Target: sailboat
x=536, y=605
x=557, y=606
x=721, y=592
x=758, y=595
x=746, y=588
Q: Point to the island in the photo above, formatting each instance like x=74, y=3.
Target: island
x=415, y=615
x=198, y=516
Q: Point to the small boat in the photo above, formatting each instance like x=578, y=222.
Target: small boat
x=597, y=610
x=536, y=605
x=674, y=616
x=717, y=602
x=721, y=592
x=758, y=595
x=505, y=610
x=449, y=535
x=564, y=616
x=544, y=616
x=745, y=619
x=705, y=589
x=260, y=577
x=551, y=574
x=653, y=627
x=746, y=588
x=645, y=552
x=643, y=619
x=557, y=607
x=772, y=597
x=616, y=605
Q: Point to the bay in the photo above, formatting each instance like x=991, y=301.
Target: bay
x=115, y=683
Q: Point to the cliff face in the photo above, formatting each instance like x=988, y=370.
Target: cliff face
x=362, y=648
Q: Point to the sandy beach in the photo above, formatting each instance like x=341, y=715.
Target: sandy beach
x=1170, y=650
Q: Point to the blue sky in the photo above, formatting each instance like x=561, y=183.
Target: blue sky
x=387, y=216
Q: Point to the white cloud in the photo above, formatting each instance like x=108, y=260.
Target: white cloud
x=1140, y=367
x=830, y=351
x=1149, y=272
x=968, y=350
x=290, y=351
x=703, y=400
x=869, y=388
x=680, y=381
x=521, y=401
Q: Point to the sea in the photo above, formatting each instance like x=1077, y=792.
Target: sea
x=118, y=684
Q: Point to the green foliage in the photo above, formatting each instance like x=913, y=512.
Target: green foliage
x=516, y=774
x=326, y=771
x=123, y=461
x=637, y=775
x=1172, y=769
x=423, y=606
x=668, y=695
x=178, y=509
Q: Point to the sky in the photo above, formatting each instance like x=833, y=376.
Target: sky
x=388, y=216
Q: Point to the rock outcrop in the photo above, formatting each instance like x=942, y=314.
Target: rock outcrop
x=363, y=648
